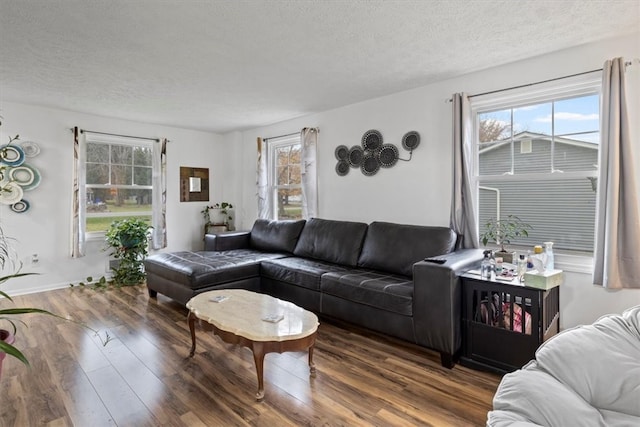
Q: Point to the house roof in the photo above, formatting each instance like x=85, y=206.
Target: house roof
x=223, y=65
x=490, y=146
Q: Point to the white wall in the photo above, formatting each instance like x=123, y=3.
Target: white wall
x=418, y=192
x=45, y=228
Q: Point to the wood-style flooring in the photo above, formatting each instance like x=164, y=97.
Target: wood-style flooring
x=144, y=377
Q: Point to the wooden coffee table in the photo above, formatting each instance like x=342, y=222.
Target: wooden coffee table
x=238, y=319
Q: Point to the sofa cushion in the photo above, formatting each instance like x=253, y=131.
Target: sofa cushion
x=338, y=242
x=396, y=247
x=302, y=272
x=384, y=291
x=275, y=236
x=200, y=269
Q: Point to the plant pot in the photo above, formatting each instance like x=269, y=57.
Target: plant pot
x=507, y=257
x=129, y=242
x=8, y=338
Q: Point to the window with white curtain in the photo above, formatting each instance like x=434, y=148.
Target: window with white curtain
x=284, y=175
x=118, y=181
x=536, y=157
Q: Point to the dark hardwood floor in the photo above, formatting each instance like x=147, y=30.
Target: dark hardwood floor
x=144, y=377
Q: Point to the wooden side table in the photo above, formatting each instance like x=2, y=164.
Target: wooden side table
x=215, y=228
x=503, y=323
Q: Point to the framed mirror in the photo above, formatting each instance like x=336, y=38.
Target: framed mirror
x=194, y=184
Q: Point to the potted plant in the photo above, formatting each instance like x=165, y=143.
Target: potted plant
x=502, y=231
x=128, y=239
x=222, y=214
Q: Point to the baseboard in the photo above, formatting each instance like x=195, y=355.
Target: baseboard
x=25, y=290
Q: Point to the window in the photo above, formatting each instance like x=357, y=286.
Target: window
x=284, y=177
x=537, y=158
x=118, y=181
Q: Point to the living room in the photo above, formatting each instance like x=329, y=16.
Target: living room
x=415, y=192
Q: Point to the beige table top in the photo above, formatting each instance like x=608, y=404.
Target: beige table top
x=242, y=311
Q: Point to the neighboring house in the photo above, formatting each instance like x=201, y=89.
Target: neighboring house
x=573, y=198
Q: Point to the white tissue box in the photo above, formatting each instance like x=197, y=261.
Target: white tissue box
x=545, y=280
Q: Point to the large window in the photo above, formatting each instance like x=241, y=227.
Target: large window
x=537, y=159
x=284, y=177
x=118, y=177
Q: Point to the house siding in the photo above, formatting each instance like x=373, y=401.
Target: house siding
x=567, y=215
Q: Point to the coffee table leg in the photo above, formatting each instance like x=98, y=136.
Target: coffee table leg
x=192, y=327
x=312, y=366
x=258, y=358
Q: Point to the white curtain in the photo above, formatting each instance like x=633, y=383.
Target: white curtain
x=159, y=195
x=462, y=218
x=309, y=176
x=262, y=182
x=78, y=202
x=617, y=258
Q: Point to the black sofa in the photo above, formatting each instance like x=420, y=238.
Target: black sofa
x=375, y=275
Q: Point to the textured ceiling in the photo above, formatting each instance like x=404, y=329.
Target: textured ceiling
x=231, y=65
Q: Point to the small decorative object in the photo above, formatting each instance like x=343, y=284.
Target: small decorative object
x=341, y=152
x=502, y=231
x=411, y=140
x=370, y=164
x=356, y=156
x=129, y=242
x=372, y=140
x=16, y=176
x=342, y=167
x=388, y=155
x=20, y=206
x=373, y=154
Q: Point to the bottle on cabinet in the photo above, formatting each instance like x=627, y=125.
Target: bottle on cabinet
x=548, y=250
x=487, y=267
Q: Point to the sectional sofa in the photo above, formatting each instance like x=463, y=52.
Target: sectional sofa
x=401, y=280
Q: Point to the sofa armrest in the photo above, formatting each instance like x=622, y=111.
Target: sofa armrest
x=437, y=299
x=227, y=241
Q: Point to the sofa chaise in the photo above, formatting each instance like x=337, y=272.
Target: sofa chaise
x=584, y=376
x=400, y=280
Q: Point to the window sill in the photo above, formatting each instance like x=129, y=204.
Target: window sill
x=574, y=263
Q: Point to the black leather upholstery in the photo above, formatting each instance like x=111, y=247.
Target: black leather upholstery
x=396, y=247
x=198, y=269
x=275, y=236
x=226, y=241
x=380, y=290
x=338, y=242
x=298, y=271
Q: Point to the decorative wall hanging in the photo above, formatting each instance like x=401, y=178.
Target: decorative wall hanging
x=194, y=184
x=16, y=176
x=373, y=153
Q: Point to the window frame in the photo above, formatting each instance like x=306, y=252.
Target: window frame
x=273, y=145
x=95, y=138
x=577, y=261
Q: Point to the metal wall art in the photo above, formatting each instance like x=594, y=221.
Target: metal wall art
x=373, y=154
x=17, y=176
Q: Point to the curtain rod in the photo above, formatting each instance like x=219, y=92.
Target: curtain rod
x=281, y=136
x=627, y=63
x=535, y=83
x=117, y=134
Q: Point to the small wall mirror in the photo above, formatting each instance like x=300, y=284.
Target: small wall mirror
x=194, y=184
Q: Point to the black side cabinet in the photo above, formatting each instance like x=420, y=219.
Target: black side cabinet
x=504, y=323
